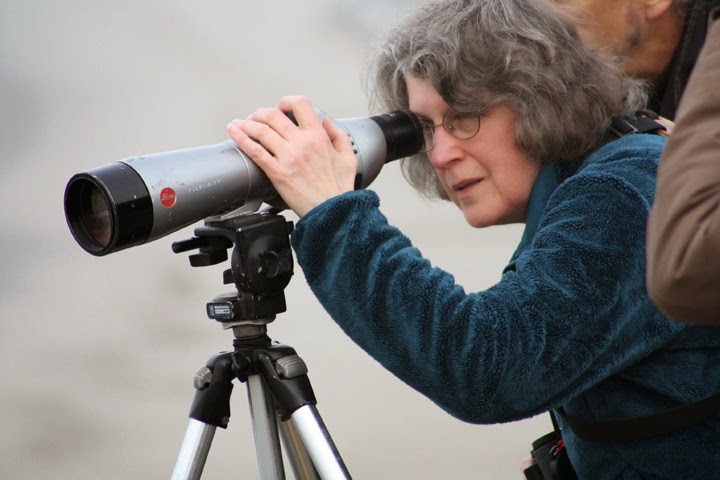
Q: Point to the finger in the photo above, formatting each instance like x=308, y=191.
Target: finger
x=302, y=109
x=277, y=120
x=256, y=151
x=339, y=137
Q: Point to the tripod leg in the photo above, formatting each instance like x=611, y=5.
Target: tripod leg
x=296, y=453
x=210, y=409
x=194, y=451
x=318, y=443
x=265, y=429
x=285, y=374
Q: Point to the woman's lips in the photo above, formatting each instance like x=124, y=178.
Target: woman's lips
x=466, y=185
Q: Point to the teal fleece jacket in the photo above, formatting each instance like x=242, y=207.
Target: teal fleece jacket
x=569, y=323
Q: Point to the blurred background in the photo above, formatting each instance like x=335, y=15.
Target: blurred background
x=99, y=353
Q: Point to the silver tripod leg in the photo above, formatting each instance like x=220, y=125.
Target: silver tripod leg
x=265, y=430
x=194, y=451
x=309, y=447
x=296, y=453
x=318, y=444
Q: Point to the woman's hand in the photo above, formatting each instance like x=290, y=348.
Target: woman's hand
x=307, y=163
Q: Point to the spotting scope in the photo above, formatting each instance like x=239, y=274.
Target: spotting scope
x=140, y=199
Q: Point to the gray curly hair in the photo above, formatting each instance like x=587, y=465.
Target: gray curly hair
x=521, y=53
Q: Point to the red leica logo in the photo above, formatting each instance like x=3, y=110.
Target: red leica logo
x=167, y=197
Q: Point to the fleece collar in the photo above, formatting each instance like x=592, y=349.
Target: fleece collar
x=545, y=184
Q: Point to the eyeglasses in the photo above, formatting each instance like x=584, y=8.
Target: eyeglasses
x=463, y=127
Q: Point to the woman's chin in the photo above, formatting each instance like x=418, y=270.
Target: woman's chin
x=483, y=218
x=478, y=220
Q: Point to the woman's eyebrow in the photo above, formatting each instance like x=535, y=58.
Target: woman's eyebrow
x=422, y=118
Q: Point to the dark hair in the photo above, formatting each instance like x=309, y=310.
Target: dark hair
x=521, y=53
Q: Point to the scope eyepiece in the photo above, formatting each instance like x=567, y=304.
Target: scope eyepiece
x=403, y=133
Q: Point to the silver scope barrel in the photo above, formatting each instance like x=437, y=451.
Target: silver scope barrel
x=137, y=200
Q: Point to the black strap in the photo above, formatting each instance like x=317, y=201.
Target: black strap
x=630, y=429
x=642, y=122
x=645, y=121
x=619, y=127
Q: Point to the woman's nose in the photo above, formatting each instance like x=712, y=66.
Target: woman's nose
x=445, y=150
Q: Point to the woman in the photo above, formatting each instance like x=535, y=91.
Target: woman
x=516, y=113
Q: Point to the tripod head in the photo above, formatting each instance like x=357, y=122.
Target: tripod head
x=261, y=265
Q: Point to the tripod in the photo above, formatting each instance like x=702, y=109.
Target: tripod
x=277, y=383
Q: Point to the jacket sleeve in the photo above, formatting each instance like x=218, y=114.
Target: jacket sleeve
x=574, y=311
x=683, y=248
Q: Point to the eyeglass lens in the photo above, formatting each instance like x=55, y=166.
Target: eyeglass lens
x=463, y=127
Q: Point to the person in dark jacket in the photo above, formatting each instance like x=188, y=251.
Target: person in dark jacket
x=657, y=40
x=516, y=113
